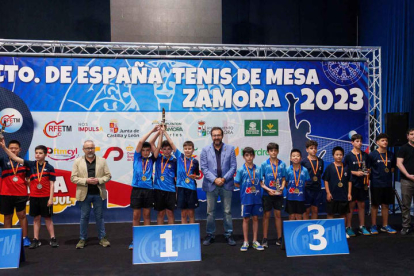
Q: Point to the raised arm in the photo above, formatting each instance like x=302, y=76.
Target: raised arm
x=145, y=137
x=11, y=154
x=156, y=149
x=170, y=141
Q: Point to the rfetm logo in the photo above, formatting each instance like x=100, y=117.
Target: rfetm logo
x=11, y=119
x=55, y=129
x=116, y=149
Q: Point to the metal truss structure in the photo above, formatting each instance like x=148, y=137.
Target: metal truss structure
x=372, y=55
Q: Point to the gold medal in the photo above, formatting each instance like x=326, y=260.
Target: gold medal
x=314, y=170
x=297, y=181
x=387, y=170
x=162, y=178
x=254, y=174
x=340, y=175
x=187, y=180
x=163, y=167
x=340, y=185
x=384, y=161
x=144, y=178
x=273, y=171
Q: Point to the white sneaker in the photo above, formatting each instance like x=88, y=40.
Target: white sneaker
x=347, y=236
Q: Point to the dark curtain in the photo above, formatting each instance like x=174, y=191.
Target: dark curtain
x=390, y=24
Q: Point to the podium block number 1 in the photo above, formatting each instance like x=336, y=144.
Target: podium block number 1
x=168, y=245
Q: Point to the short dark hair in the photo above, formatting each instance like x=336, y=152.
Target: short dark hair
x=337, y=148
x=216, y=128
x=165, y=143
x=272, y=145
x=310, y=143
x=41, y=147
x=146, y=145
x=410, y=130
x=381, y=136
x=295, y=150
x=14, y=142
x=188, y=144
x=248, y=150
x=356, y=137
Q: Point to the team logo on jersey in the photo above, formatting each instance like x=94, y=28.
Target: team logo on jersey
x=11, y=119
x=55, y=129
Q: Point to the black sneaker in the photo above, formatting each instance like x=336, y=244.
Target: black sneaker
x=35, y=244
x=264, y=243
x=53, y=242
x=208, y=240
x=405, y=231
x=279, y=242
x=230, y=241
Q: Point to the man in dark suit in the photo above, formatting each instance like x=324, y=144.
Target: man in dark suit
x=218, y=164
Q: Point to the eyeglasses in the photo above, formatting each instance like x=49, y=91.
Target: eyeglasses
x=89, y=148
x=216, y=136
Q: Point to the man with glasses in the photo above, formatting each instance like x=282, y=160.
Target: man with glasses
x=218, y=164
x=90, y=173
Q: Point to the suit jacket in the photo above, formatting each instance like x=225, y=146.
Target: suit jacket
x=208, y=164
x=80, y=174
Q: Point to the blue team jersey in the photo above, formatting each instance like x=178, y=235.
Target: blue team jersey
x=181, y=173
x=331, y=175
x=167, y=183
x=379, y=177
x=311, y=184
x=139, y=164
x=356, y=164
x=291, y=185
x=249, y=192
x=266, y=174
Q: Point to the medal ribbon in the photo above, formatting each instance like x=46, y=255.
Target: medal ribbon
x=386, y=158
x=185, y=166
x=359, y=161
x=163, y=167
x=313, y=168
x=250, y=176
x=276, y=165
x=144, y=167
x=294, y=174
x=39, y=177
x=17, y=167
x=339, y=175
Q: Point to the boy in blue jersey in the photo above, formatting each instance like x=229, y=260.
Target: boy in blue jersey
x=338, y=186
x=356, y=160
x=296, y=176
x=142, y=189
x=188, y=170
x=272, y=176
x=248, y=179
x=313, y=188
x=382, y=165
x=164, y=182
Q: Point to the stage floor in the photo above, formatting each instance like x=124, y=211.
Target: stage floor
x=383, y=254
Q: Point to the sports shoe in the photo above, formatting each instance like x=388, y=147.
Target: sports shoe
x=230, y=241
x=350, y=232
x=256, y=245
x=26, y=242
x=388, y=229
x=374, y=230
x=245, y=246
x=346, y=234
x=209, y=239
x=53, y=242
x=81, y=244
x=131, y=246
x=279, y=242
x=264, y=243
x=405, y=231
x=35, y=244
x=104, y=242
x=363, y=230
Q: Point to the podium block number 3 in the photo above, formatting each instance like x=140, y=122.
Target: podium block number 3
x=168, y=245
x=318, y=236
